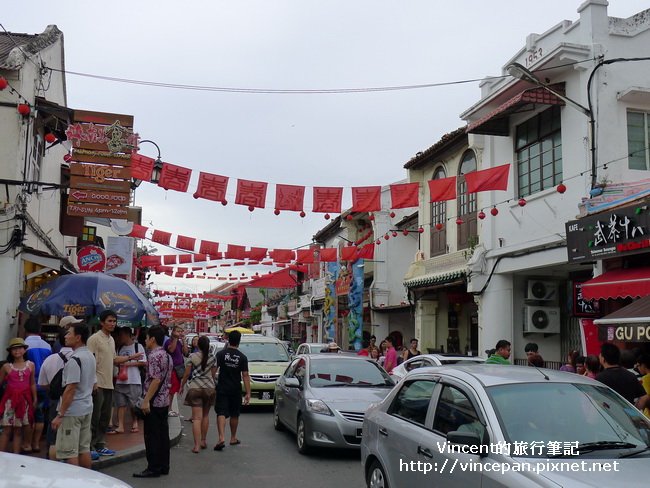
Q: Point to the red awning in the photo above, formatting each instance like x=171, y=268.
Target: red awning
x=496, y=122
x=618, y=283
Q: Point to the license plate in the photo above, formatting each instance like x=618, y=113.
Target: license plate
x=359, y=432
x=266, y=395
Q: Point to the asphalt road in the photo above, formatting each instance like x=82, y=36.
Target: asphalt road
x=265, y=459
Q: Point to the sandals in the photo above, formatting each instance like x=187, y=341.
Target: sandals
x=134, y=430
x=235, y=443
x=219, y=446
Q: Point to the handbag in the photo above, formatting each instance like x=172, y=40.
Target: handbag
x=123, y=373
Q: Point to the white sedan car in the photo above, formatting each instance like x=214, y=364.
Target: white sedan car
x=29, y=472
x=427, y=360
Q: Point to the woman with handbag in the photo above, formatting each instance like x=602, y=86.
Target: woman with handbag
x=200, y=369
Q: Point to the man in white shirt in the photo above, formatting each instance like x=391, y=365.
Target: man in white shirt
x=129, y=390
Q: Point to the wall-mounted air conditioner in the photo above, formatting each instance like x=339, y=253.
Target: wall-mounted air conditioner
x=544, y=291
x=542, y=320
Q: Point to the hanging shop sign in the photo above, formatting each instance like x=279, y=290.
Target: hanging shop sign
x=629, y=333
x=102, y=146
x=120, y=252
x=581, y=306
x=91, y=258
x=623, y=231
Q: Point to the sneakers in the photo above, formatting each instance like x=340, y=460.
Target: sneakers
x=105, y=451
x=94, y=456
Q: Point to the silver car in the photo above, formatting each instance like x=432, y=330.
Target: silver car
x=322, y=398
x=311, y=348
x=427, y=360
x=504, y=426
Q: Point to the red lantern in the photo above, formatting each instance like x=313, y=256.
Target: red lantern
x=481, y=215
x=405, y=232
x=394, y=234
x=224, y=202
x=24, y=109
x=251, y=208
x=276, y=212
x=561, y=188
x=3, y=83
x=522, y=202
x=386, y=237
x=327, y=216
x=378, y=242
x=392, y=215
x=439, y=226
x=67, y=158
x=302, y=214
x=421, y=229
x=459, y=221
x=494, y=211
x=349, y=217
x=371, y=216
x=50, y=138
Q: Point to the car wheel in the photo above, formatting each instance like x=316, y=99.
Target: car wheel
x=277, y=425
x=376, y=477
x=301, y=437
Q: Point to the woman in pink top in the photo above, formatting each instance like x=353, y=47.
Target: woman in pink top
x=391, y=356
x=19, y=399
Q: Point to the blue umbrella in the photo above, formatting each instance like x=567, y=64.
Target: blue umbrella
x=86, y=294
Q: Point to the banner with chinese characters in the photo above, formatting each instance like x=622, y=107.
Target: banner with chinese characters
x=330, y=303
x=622, y=231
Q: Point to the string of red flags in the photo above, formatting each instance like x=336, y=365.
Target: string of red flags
x=327, y=200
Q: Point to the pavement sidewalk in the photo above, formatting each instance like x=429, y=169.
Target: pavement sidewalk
x=128, y=446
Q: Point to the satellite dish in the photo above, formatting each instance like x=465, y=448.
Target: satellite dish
x=121, y=227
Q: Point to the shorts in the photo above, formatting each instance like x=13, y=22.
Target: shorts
x=228, y=404
x=73, y=437
x=126, y=395
x=200, y=397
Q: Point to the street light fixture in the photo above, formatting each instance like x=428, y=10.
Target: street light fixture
x=157, y=166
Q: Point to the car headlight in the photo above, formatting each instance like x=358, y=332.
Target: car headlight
x=318, y=406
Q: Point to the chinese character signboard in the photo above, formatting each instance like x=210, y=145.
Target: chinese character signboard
x=621, y=232
x=101, y=168
x=582, y=307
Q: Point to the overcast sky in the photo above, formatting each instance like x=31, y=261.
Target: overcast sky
x=344, y=140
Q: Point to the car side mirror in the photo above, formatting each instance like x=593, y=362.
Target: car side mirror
x=466, y=439
x=291, y=383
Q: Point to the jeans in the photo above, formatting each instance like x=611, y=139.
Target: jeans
x=102, y=405
x=156, y=439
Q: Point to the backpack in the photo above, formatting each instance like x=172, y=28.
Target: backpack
x=56, y=385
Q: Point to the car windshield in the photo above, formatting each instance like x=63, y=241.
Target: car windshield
x=561, y=414
x=339, y=372
x=264, y=351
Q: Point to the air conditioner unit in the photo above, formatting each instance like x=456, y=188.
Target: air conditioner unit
x=542, y=290
x=542, y=320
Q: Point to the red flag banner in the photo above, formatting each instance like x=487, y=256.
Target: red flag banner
x=184, y=258
x=349, y=253
x=289, y=197
x=212, y=187
x=161, y=237
x=210, y=248
x=257, y=253
x=235, y=252
x=141, y=167
x=149, y=261
x=170, y=259
x=366, y=199
x=251, y=193
x=174, y=177
x=186, y=243
x=199, y=258
x=138, y=231
x=367, y=251
x=282, y=255
x=328, y=254
x=442, y=189
x=405, y=195
x=488, y=179
x=327, y=199
x=305, y=256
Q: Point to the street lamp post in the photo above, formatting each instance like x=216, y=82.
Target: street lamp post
x=516, y=70
x=157, y=167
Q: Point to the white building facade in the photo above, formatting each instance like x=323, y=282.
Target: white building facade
x=519, y=272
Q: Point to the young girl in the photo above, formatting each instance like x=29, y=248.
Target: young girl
x=18, y=402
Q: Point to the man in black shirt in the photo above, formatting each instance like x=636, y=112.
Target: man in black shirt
x=233, y=368
x=618, y=378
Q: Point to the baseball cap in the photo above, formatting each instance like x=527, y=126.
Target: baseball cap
x=68, y=320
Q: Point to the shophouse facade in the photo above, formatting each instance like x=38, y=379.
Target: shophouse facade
x=519, y=272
